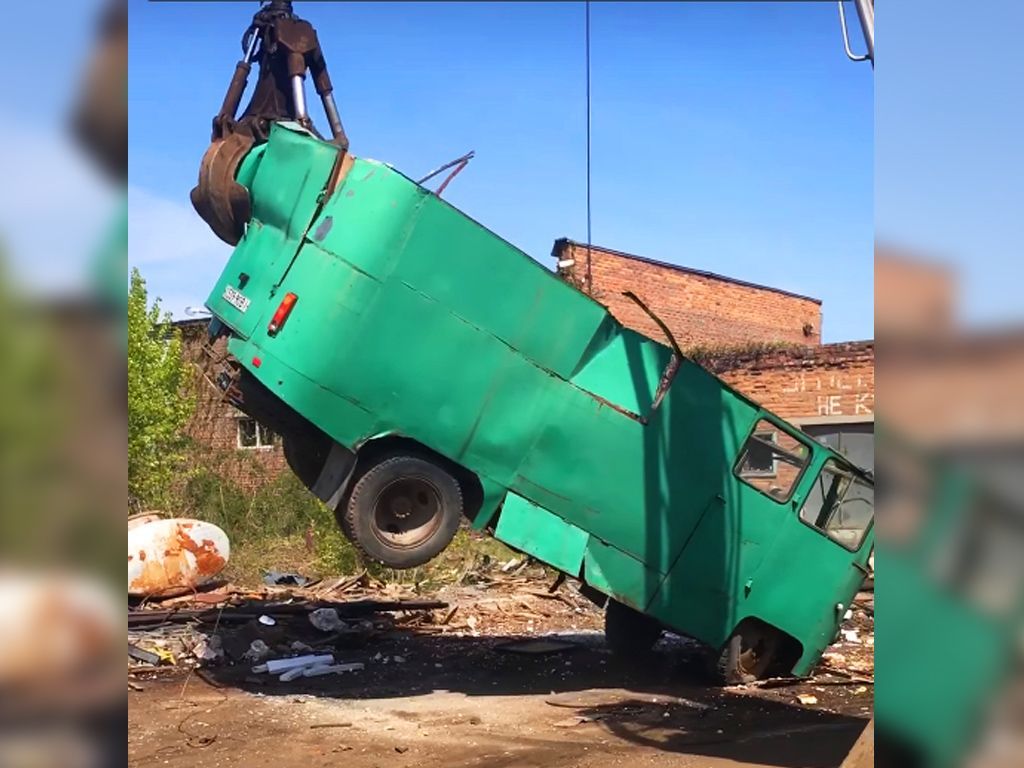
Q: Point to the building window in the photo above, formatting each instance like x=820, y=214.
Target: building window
x=772, y=461
x=252, y=434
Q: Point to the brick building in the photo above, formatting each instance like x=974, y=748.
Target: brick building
x=700, y=308
x=226, y=440
x=763, y=341
x=828, y=390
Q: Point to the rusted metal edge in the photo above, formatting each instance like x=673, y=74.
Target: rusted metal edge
x=677, y=354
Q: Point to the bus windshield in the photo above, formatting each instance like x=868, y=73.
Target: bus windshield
x=840, y=504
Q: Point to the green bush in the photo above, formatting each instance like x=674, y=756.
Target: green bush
x=159, y=400
x=281, y=525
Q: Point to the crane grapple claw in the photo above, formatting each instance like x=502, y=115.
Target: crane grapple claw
x=221, y=201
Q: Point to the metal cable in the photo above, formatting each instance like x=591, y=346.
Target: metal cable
x=590, y=277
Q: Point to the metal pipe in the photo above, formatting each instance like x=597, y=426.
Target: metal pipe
x=334, y=120
x=468, y=156
x=251, y=49
x=846, y=36
x=299, y=97
x=452, y=175
x=866, y=12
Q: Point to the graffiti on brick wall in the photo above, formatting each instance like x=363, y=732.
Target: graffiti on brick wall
x=836, y=394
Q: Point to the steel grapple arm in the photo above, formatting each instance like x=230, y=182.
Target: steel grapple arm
x=286, y=48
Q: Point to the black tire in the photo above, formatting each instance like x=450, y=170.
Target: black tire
x=403, y=511
x=747, y=656
x=628, y=632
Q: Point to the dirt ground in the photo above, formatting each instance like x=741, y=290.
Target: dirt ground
x=452, y=695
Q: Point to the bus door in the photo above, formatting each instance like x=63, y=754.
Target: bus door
x=820, y=558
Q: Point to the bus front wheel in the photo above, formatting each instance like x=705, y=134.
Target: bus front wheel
x=628, y=632
x=748, y=655
x=403, y=511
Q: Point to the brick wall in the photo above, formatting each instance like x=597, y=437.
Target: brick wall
x=913, y=297
x=829, y=382
x=214, y=425
x=700, y=308
x=960, y=390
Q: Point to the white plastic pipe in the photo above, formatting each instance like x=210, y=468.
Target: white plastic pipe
x=283, y=665
x=330, y=669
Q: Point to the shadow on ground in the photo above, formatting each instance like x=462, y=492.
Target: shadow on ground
x=664, y=701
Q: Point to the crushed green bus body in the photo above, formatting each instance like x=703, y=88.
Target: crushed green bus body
x=953, y=608
x=408, y=318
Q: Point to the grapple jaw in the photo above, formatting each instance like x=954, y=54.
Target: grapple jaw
x=221, y=201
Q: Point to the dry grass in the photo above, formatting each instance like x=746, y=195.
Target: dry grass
x=250, y=560
x=469, y=553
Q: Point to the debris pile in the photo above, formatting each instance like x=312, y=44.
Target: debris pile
x=367, y=637
x=286, y=632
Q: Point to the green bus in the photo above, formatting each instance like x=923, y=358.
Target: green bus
x=422, y=370
x=954, y=601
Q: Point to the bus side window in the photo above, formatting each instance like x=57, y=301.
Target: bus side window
x=979, y=557
x=840, y=505
x=772, y=461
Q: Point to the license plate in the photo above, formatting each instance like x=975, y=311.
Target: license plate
x=235, y=298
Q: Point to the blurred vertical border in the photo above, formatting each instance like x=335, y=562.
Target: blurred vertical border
x=63, y=477
x=949, y=324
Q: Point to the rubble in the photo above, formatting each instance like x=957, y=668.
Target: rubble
x=258, y=650
x=490, y=631
x=379, y=636
x=277, y=630
x=209, y=649
x=326, y=620
x=141, y=654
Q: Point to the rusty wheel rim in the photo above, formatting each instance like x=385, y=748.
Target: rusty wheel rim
x=755, y=649
x=407, y=512
x=748, y=661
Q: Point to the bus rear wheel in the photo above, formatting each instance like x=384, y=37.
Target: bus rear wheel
x=628, y=632
x=403, y=511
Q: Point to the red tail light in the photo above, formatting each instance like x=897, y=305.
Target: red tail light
x=283, y=310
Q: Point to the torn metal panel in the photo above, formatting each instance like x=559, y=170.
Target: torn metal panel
x=537, y=532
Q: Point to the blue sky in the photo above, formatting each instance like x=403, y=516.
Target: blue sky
x=732, y=137
x=56, y=208
x=950, y=153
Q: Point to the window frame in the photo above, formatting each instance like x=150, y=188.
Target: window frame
x=773, y=436
x=848, y=469
x=259, y=430
x=805, y=441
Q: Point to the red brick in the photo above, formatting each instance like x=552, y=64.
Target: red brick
x=699, y=308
